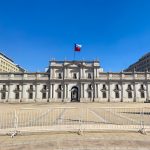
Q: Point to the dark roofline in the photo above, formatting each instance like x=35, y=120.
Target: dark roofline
x=6, y=57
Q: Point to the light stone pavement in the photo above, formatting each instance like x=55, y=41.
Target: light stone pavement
x=72, y=141
x=111, y=140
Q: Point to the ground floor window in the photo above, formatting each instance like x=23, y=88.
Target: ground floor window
x=89, y=95
x=30, y=95
x=117, y=94
x=17, y=95
x=59, y=94
x=3, y=95
x=142, y=95
x=104, y=94
x=129, y=94
x=44, y=96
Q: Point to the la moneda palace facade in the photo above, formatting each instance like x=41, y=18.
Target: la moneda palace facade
x=74, y=81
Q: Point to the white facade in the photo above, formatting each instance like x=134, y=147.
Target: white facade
x=82, y=81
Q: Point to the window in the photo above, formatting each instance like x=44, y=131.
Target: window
x=59, y=94
x=117, y=94
x=116, y=87
x=3, y=96
x=89, y=76
x=129, y=87
x=44, y=87
x=129, y=94
x=30, y=95
x=104, y=87
x=17, y=95
x=75, y=76
x=17, y=87
x=4, y=87
x=90, y=86
x=44, y=95
x=142, y=95
x=59, y=87
x=104, y=94
x=31, y=87
x=89, y=95
x=142, y=87
x=59, y=76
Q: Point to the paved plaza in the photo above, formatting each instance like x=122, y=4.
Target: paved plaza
x=72, y=140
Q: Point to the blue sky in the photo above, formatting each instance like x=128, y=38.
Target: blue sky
x=117, y=32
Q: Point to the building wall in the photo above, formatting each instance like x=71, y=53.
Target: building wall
x=6, y=65
x=143, y=64
x=45, y=86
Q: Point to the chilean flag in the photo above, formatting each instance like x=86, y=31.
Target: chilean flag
x=77, y=47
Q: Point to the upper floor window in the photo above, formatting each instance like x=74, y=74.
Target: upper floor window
x=116, y=87
x=59, y=87
x=59, y=76
x=4, y=87
x=129, y=87
x=90, y=86
x=104, y=87
x=142, y=87
x=18, y=87
x=44, y=87
x=31, y=87
x=75, y=76
x=89, y=76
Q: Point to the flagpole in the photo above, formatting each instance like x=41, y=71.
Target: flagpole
x=74, y=54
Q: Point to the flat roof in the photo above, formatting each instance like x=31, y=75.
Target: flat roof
x=6, y=57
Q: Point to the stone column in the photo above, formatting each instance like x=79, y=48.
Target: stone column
x=67, y=75
x=83, y=73
x=121, y=91
x=134, y=90
x=37, y=92
x=49, y=91
x=39, y=97
x=108, y=91
x=66, y=90
x=82, y=92
x=64, y=72
x=147, y=87
x=96, y=90
x=24, y=96
x=11, y=92
x=52, y=91
x=147, y=92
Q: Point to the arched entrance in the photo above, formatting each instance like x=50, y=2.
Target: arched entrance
x=74, y=94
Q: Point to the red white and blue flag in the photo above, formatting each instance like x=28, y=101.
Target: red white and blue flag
x=77, y=47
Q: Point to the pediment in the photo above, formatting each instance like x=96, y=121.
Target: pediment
x=74, y=64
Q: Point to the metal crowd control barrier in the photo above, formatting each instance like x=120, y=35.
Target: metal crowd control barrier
x=75, y=119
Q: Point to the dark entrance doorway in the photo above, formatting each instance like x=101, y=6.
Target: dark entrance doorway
x=74, y=94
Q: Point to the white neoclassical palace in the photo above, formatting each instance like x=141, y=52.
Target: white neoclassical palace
x=80, y=81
